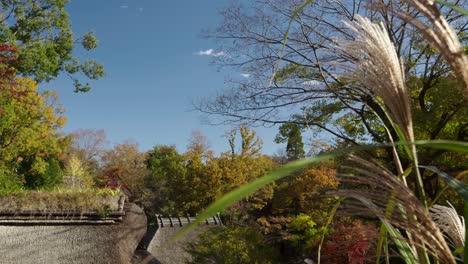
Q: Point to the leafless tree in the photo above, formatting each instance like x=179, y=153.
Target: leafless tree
x=295, y=73
x=88, y=144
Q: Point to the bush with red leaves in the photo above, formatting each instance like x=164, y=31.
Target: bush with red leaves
x=353, y=244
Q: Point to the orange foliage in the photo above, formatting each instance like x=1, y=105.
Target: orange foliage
x=304, y=193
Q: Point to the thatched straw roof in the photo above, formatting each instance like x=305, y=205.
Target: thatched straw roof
x=73, y=243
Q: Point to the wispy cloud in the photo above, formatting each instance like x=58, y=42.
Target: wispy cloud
x=124, y=6
x=245, y=75
x=140, y=9
x=312, y=83
x=210, y=52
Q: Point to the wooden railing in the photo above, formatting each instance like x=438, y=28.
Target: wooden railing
x=172, y=221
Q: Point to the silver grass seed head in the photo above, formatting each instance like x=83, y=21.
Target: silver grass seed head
x=453, y=225
x=439, y=33
x=375, y=66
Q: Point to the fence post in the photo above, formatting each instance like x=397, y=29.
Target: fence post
x=158, y=217
x=170, y=220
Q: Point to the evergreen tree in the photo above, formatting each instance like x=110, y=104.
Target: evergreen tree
x=291, y=134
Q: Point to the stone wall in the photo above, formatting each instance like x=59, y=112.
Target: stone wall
x=80, y=244
x=167, y=251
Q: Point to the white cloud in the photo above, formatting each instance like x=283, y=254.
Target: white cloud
x=124, y=6
x=312, y=83
x=140, y=9
x=210, y=52
x=245, y=75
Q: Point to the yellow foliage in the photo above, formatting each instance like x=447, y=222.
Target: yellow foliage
x=304, y=193
x=75, y=167
x=29, y=123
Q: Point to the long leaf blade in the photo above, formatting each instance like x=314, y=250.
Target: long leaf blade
x=457, y=185
x=249, y=188
x=454, y=7
x=449, y=145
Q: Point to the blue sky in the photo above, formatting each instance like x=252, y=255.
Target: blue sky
x=156, y=64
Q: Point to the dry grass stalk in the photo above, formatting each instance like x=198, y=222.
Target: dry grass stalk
x=438, y=32
x=375, y=66
x=377, y=188
x=88, y=200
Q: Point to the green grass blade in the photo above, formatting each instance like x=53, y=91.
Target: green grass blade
x=401, y=244
x=387, y=253
x=403, y=248
x=249, y=188
x=406, y=147
x=380, y=243
x=438, y=195
x=454, y=7
x=457, y=185
x=294, y=15
x=383, y=230
x=286, y=36
x=327, y=224
x=456, y=146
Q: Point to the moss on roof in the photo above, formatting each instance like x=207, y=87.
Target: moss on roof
x=61, y=200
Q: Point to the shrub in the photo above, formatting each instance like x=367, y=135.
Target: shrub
x=52, y=176
x=234, y=245
x=9, y=182
x=304, y=232
x=354, y=243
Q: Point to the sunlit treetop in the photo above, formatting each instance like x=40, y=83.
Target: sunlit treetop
x=41, y=31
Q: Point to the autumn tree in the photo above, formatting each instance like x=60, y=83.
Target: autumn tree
x=167, y=169
x=295, y=217
x=126, y=164
x=184, y=181
x=296, y=75
x=29, y=130
x=292, y=136
x=203, y=186
x=80, y=176
x=41, y=30
x=242, y=164
x=305, y=192
x=189, y=182
x=232, y=245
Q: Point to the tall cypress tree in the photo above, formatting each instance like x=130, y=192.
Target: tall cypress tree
x=290, y=134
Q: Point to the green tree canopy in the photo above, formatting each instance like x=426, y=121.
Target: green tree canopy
x=42, y=32
x=290, y=134
x=167, y=171
x=29, y=123
x=189, y=182
x=232, y=245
